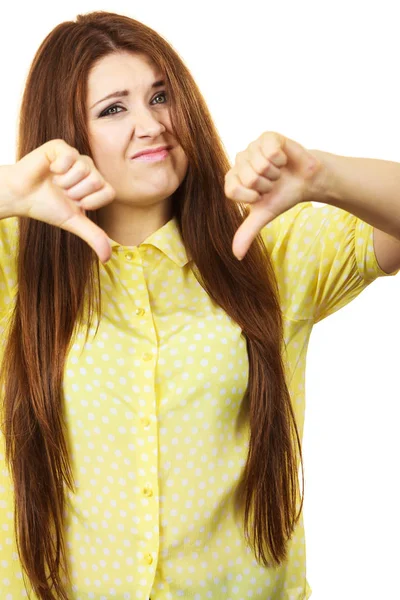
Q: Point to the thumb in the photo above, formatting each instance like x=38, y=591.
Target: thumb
x=249, y=229
x=88, y=231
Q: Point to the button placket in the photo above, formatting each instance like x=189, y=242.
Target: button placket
x=147, y=489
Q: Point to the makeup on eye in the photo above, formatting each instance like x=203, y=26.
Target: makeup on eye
x=105, y=111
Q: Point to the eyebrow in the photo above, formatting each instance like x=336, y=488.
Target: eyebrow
x=121, y=93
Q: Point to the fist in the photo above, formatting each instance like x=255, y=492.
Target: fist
x=272, y=175
x=55, y=183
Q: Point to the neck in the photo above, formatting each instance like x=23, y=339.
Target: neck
x=131, y=225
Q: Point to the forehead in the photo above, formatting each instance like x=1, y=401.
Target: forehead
x=125, y=66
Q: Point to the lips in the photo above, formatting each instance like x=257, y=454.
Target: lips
x=151, y=151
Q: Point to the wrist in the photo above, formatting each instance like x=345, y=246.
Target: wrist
x=323, y=186
x=8, y=198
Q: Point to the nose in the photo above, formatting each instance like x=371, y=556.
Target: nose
x=146, y=123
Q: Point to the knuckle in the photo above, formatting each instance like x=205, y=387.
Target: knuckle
x=70, y=151
x=251, y=179
x=277, y=156
x=87, y=159
x=82, y=168
x=111, y=192
x=97, y=182
x=234, y=191
x=230, y=184
x=68, y=154
x=267, y=163
x=275, y=153
x=228, y=189
x=263, y=167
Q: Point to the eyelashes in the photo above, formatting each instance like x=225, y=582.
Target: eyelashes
x=106, y=113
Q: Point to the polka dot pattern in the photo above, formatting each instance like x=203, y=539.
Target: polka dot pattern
x=151, y=404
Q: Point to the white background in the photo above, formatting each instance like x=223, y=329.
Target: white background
x=325, y=74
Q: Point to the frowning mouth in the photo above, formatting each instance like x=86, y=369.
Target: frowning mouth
x=151, y=150
x=152, y=156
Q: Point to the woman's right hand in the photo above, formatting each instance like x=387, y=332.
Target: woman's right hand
x=55, y=183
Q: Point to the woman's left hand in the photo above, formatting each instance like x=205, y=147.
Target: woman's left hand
x=272, y=175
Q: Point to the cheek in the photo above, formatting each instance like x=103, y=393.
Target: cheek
x=106, y=147
x=181, y=161
x=106, y=163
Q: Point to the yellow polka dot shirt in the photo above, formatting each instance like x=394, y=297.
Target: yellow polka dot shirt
x=151, y=404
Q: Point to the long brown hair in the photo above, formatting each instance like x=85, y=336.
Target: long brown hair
x=58, y=278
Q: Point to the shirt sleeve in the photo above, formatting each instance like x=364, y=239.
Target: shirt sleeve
x=323, y=258
x=8, y=276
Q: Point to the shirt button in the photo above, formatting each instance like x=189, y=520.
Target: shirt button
x=147, y=491
x=139, y=312
x=148, y=558
x=129, y=256
x=145, y=421
x=147, y=356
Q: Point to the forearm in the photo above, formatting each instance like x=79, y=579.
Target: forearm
x=366, y=187
x=7, y=201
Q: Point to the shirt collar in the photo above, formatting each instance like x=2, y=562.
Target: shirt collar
x=167, y=239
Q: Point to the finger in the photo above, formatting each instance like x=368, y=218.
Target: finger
x=276, y=157
x=262, y=165
x=74, y=175
x=272, y=146
x=92, y=183
x=84, y=228
x=249, y=229
x=62, y=164
x=98, y=199
x=236, y=191
x=249, y=178
x=60, y=155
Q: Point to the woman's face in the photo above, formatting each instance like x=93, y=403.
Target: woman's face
x=138, y=120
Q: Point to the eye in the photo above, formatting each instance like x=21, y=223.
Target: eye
x=164, y=94
x=106, y=112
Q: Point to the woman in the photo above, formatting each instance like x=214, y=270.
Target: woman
x=160, y=458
